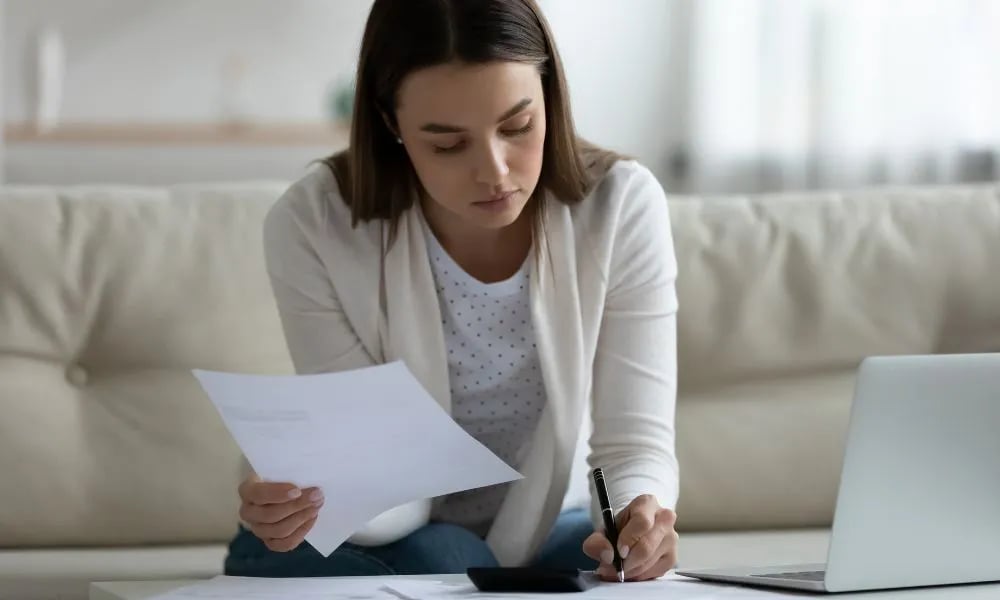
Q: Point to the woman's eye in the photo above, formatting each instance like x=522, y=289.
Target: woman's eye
x=449, y=149
x=520, y=130
x=459, y=146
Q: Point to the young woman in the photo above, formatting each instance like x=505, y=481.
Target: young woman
x=526, y=279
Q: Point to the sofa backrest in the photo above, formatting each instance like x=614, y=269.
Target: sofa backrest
x=109, y=296
x=781, y=297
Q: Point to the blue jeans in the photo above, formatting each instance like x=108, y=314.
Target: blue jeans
x=432, y=549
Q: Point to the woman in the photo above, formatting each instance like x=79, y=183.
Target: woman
x=525, y=278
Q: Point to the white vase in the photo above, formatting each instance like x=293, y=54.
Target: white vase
x=50, y=72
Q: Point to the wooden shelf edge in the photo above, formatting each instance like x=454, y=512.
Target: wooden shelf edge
x=319, y=133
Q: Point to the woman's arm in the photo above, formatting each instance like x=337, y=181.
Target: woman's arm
x=635, y=387
x=635, y=366
x=320, y=339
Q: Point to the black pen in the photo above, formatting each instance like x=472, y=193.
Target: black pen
x=610, y=528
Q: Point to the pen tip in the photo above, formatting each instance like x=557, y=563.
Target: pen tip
x=621, y=577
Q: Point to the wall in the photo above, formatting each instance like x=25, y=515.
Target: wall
x=162, y=61
x=620, y=59
x=2, y=11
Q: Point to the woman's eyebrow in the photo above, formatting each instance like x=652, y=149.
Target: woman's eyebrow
x=440, y=128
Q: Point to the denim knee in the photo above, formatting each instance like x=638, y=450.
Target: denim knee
x=564, y=547
x=437, y=548
x=249, y=557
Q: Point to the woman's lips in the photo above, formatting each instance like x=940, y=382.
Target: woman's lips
x=496, y=203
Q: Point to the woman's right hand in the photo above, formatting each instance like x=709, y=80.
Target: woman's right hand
x=280, y=514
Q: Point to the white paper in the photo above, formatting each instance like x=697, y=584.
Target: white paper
x=260, y=588
x=671, y=587
x=371, y=439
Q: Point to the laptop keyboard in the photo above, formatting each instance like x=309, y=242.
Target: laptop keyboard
x=797, y=575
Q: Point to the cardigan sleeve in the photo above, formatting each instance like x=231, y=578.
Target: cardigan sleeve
x=635, y=363
x=320, y=339
x=319, y=336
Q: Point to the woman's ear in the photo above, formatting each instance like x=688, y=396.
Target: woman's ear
x=389, y=123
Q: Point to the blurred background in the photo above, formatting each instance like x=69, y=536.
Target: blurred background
x=712, y=95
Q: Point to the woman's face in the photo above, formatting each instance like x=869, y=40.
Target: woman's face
x=475, y=135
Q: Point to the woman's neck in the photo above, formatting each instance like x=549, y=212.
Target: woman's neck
x=489, y=255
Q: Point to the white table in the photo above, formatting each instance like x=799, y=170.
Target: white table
x=141, y=590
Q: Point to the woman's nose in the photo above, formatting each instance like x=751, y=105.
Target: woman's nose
x=491, y=165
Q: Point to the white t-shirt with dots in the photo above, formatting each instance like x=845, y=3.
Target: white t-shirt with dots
x=497, y=392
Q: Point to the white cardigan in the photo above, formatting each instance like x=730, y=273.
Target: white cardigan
x=603, y=304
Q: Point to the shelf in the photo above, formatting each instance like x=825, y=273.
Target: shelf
x=249, y=134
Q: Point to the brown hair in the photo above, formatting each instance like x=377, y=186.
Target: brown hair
x=374, y=174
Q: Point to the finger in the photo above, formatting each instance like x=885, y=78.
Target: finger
x=645, y=548
x=255, y=514
x=642, y=559
x=643, y=552
x=638, y=520
x=658, y=568
x=293, y=541
x=286, y=526
x=607, y=573
x=597, y=547
x=269, y=492
x=658, y=541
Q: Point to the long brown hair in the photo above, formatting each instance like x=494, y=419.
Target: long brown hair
x=375, y=175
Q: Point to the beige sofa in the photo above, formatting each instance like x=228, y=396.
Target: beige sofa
x=113, y=465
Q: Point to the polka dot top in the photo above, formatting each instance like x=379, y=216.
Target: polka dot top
x=497, y=392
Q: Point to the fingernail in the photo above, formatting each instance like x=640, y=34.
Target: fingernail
x=316, y=496
x=607, y=557
x=623, y=551
x=293, y=494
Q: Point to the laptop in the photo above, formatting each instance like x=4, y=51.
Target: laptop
x=919, y=497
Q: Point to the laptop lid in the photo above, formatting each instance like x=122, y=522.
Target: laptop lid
x=919, y=497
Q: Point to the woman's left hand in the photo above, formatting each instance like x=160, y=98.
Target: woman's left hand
x=647, y=542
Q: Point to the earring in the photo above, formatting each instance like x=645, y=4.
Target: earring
x=399, y=140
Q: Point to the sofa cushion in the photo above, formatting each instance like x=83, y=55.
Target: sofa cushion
x=123, y=563
x=67, y=573
x=753, y=548
x=109, y=298
x=781, y=297
x=762, y=454
x=787, y=285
